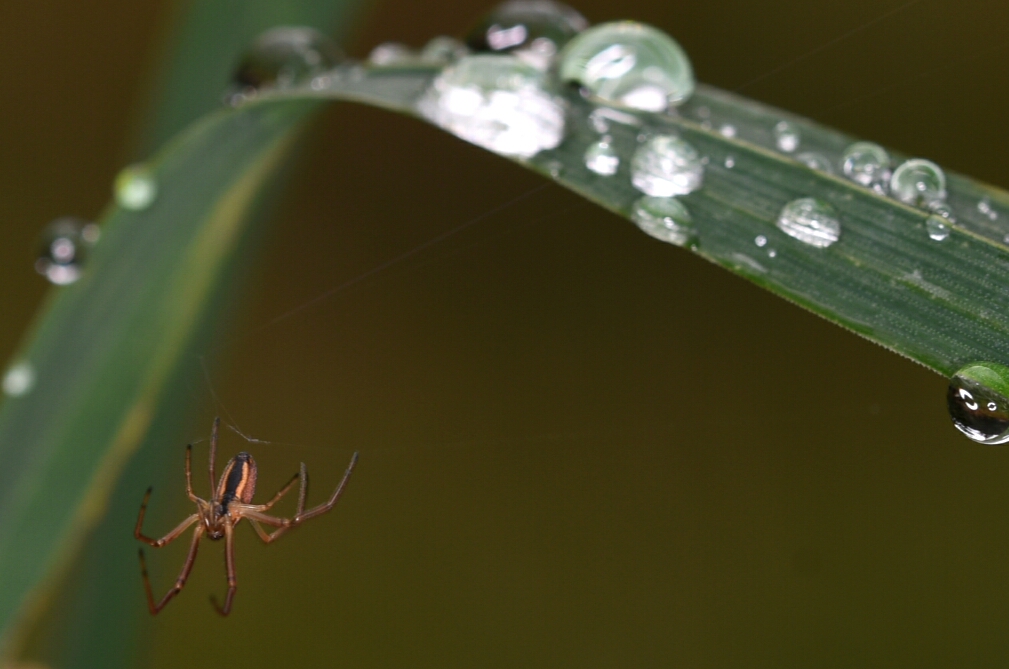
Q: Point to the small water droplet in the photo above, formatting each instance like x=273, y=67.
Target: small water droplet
x=532, y=30
x=629, y=64
x=443, y=50
x=65, y=246
x=664, y=218
x=601, y=117
x=865, y=163
x=666, y=165
x=815, y=161
x=937, y=228
x=602, y=158
x=497, y=102
x=135, y=188
x=918, y=181
x=940, y=208
x=390, y=53
x=978, y=402
x=19, y=379
x=760, y=240
x=281, y=58
x=985, y=207
x=786, y=136
x=730, y=162
x=727, y=130
x=555, y=168
x=771, y=253
x=812, y=221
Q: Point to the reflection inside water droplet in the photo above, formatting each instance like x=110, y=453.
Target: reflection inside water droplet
x=135, y=188
x=666, y=165
x=812, y=221
x=497, y=102
x=978, y=402
x=865, y=163
x=532, y=30
x=65, y=246
x=280, y=58
x=786, y=136
x=602, y=158
x=664, y=218
x=937, y=228
x=19, y=379
x=918, y=181
x=630, y=64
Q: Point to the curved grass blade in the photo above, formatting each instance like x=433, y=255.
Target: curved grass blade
x=104, y=348
x=940, y=303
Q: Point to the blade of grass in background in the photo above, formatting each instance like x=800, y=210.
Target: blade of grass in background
x=106, y=352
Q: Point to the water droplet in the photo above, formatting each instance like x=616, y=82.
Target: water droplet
x=730, y=162
x=497, y=102
x=532, y=30
x=601, y=117
x=281, y=58
x=727, y=130
x=865, y=163
x=664, y=218
x=771, y=253
x=786, y=136
x=19, y=379
x=629, y=64
x=443, y=50
x=937, y=228
x=760, y=240
x=812, y=221
x=815, y=161
x=65, y=246
x=665, y=165
x=390, y=53
x=918, y=181
x=940, y=208
x=135, y=188
x=602, y=158
x=984, y=206
x=978, y=402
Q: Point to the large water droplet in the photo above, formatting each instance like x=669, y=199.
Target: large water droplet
x=666, y=165
x=664, y=218
x=602, y=158
x=65, y=246
x=135, y=188
x=629, y=64
x=19, y=379
x=937, y=228
x=281, y=58
x=532, y=30
x=865, y=163
x=918, y=181
x=786, y=136
x=812, y=221
x=978, y=402
x=497, y=102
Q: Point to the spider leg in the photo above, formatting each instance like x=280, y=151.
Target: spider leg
x=285, y=524
x=213, y=454
x=276, y=498
x=179, y=582
x=323, y=508
x=189, y=473
x=229, y=562
x=168, y=538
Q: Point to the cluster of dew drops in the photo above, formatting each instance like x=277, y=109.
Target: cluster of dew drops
x=499, y=88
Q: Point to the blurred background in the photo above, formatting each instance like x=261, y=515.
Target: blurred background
x=579, y=446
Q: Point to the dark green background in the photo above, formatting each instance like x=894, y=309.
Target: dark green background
x=579, y=447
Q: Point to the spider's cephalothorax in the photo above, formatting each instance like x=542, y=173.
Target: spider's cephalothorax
x=231, y=501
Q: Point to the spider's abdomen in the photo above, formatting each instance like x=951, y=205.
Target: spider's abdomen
x=238, y=480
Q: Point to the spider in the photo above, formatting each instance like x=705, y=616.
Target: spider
x=230, y=502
